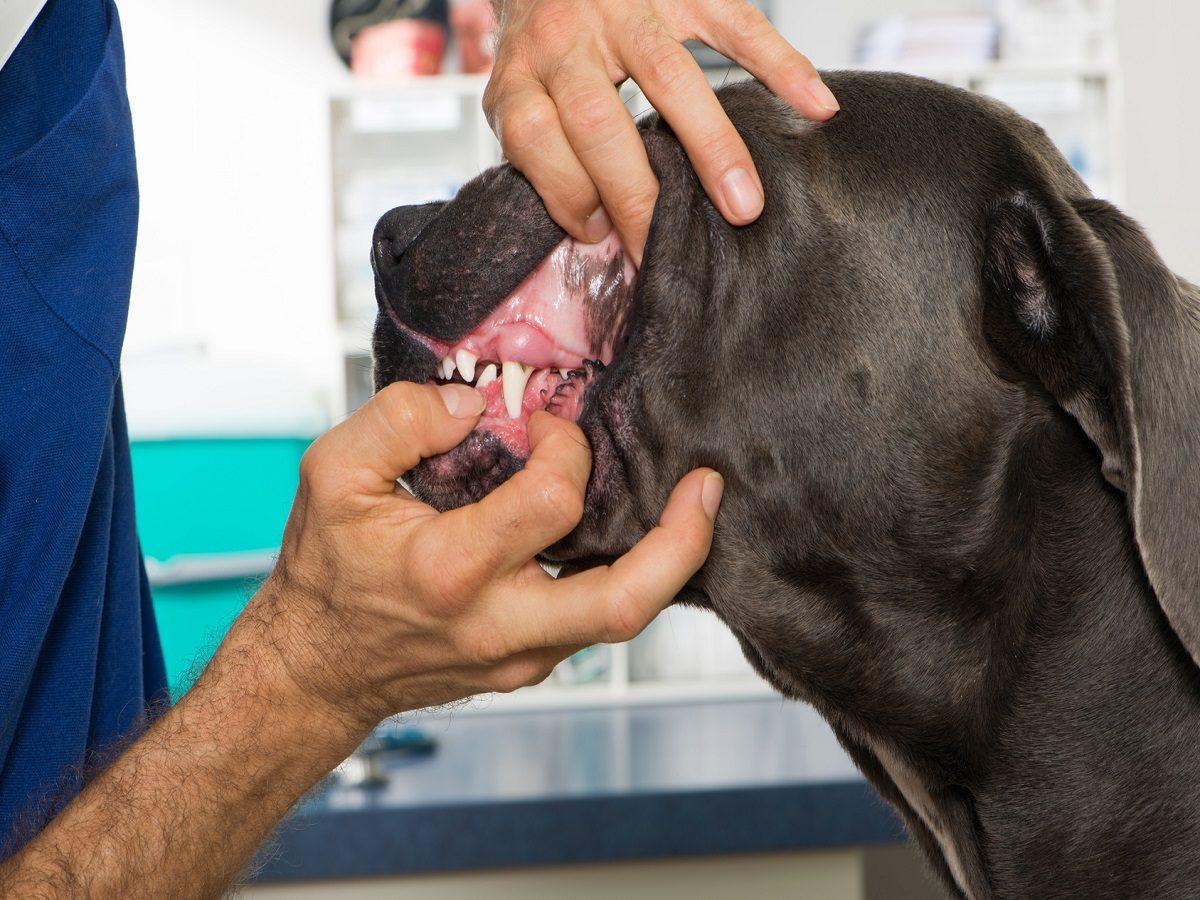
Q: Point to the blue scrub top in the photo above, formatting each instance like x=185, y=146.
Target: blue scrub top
x=80, y=663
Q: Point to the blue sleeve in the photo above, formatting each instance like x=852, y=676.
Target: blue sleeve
x=79, y=656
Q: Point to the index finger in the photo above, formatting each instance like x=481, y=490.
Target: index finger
x=607, y=142
x=526, y=121
x=534, y=508
x=672, y=80
x=742, y=33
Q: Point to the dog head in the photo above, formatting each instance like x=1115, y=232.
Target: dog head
x=930, y=311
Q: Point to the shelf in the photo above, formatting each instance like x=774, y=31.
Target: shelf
x=606, y=694
x=206, y=568
x=476, y=84
x=450, y=84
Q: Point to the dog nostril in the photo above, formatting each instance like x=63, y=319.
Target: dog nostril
x=387, y=254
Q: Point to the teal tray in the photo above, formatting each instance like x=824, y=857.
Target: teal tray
x=208, y=498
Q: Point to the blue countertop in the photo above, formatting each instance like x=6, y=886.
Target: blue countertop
x=535, y=788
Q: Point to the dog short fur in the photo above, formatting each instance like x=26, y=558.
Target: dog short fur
x=955, y=401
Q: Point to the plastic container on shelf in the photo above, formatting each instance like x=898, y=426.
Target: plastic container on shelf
x=473, y=23
x=393, y=146
x=366, y=193
x=921, y=42
x=1066, y=32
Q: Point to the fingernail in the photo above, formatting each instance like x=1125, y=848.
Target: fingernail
x=821, y=93
x=710, y=494
x=742, y=194
x=461, y=401
x=598, y=226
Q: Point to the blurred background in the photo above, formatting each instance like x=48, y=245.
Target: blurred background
x=271, y=135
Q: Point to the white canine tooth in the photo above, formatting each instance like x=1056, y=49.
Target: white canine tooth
x=565, y=373
x=447, y=367
x=486, y=377
x=466, y=364
x=515, y=376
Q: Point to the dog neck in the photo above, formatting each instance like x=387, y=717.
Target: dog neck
x=995, y=710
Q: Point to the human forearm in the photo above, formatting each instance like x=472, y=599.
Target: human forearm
x=378, y=605
x=183, y=809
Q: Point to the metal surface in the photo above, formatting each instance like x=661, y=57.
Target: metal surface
x=552, y=787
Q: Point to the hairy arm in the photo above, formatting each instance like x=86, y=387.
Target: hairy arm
x=379, y=604
x=181, y=812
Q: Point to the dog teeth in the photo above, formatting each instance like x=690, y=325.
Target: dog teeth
x=466, y=364
x=515, y=376
x=486, y=377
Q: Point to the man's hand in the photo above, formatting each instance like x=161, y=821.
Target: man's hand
x=552, y=102
x=380, y=604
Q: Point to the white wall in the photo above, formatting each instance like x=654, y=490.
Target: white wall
x=1162, y=124
x=230, y=109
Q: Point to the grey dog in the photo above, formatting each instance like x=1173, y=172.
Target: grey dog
x=955, y=401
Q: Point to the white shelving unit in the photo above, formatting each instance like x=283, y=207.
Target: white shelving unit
x=423, y=140
x=391, y=147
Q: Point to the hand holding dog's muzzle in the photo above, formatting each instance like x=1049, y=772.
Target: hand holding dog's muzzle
x=380, y=604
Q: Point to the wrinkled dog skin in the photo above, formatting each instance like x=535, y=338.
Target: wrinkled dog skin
x=954, y=399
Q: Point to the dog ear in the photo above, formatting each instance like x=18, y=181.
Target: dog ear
x=1076, y=298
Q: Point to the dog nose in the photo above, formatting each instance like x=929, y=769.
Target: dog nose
x=396, y=230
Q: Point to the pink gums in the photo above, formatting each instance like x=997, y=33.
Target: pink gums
x=542, y=324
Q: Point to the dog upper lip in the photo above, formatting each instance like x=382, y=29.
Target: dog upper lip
x=542, y=323
x=548, y=338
